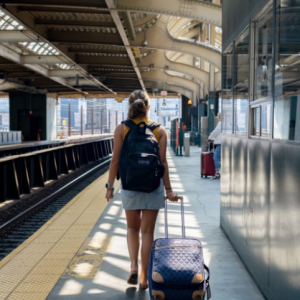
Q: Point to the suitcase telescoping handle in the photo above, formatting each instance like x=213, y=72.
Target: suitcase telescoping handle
x=182, y=218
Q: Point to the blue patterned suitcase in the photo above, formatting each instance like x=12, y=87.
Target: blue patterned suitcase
x=176, y=268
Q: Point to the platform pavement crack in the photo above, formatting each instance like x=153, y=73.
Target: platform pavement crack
x=203, y=207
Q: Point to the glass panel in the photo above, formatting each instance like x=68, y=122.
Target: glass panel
x=256, y=121
x=4, y=114
x=287, y=79
x=265, y=120
x=90, y=116
x=263, y=56
x=241, y=85
x=227, y=117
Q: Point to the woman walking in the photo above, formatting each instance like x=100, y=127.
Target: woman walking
x=141, y=208
x=216, y=137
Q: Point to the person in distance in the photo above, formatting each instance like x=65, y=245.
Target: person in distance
x=142, y=197
x=215, y=136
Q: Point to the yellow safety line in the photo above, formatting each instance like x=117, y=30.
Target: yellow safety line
x=10, y=256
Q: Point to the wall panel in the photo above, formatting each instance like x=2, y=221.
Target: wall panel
x=238, y=192
x=257, y=209
x=236, y=17
x=285, y=221
x=260, y=211
x=226, y=184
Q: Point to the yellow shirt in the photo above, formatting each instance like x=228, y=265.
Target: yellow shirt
x=146, y=120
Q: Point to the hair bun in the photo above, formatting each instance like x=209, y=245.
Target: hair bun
x=138, y=104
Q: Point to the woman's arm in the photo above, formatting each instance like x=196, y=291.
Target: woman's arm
x=114, y=164
x=163, y=156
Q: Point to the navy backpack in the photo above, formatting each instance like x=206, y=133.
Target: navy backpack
x=140, y=167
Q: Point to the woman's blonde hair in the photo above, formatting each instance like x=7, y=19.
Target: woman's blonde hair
x=138, y=104
x=219, y=116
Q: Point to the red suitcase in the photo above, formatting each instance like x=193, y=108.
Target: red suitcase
x=207, y=164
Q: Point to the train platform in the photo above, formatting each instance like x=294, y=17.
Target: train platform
x=81, y=253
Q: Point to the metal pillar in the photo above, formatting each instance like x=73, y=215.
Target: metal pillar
x=101, y=118
x=212, y=79
x=202, y=112
x=108, y=121
x=92, y=120
x=213, y=108
x=81, y=127
x=69, y=120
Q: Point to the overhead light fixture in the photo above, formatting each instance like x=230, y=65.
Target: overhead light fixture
x=190, y=102
x=164, y=103
x=56, y=102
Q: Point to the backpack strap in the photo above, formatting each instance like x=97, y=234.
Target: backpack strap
x=130, y=124
x=153, y=125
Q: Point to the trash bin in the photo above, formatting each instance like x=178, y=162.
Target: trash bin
x=186, y=144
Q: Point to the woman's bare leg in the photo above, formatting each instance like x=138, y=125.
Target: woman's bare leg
x=133, y=237
x=147, y=228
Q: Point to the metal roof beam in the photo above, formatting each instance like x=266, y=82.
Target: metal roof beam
x=99, y=60
x=159, y=60
x=11, y=36
x=44, y=59
x=63, y=73
x=128, y=24
x=40, y=34
x=18, y=59
x=61, y=9
x=84, y=23
x=158, y=38
x=115, y=16
x=199, y=10
x=92, y=50
x=162, y=76
x=76, y=37
x=169, y=86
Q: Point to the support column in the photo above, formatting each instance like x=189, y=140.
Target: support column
x=28, y=113
x=101, y=123
x=213, y=108
x=212, y=79
x=81, y=116
x=51, y=117
x=92, y=120
x=201, y=95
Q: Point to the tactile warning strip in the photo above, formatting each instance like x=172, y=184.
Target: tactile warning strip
x=32, y=270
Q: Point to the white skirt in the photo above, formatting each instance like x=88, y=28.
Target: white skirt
x=133, y=200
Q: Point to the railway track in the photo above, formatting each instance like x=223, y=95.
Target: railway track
x=15, y=231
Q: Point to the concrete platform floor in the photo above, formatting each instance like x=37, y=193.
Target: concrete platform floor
x=229, y=279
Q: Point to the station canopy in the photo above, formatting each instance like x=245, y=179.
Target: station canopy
x=110, y=47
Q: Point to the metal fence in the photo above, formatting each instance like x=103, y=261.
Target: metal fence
x=20, y=173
